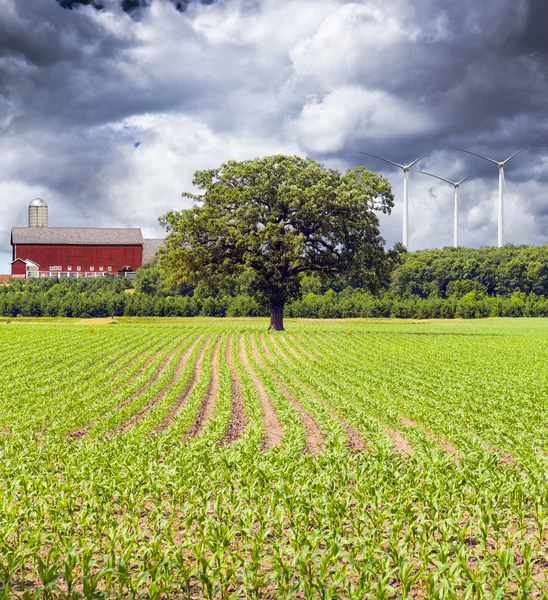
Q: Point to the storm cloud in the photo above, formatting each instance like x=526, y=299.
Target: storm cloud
x=106, y=113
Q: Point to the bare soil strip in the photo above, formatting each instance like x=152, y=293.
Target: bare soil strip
x=159, y=371
x=266, y=349
x=300, y=348
x=279, y=350
x=211, y=395
x=355, y=440
x=146, y=364
x=313, y=435
x=289, y=347
x=190, y=385
x=449, y=448
x=113, y=364
x=238, y=420
x=180, y=366
x=503, y=456
x=400, y=443
x=272, y=425
x=78, y=433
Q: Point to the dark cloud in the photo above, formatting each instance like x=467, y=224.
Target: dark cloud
x=130, y=6
x=196, y=83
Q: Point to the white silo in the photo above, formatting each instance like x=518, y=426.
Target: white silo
x=38, y=213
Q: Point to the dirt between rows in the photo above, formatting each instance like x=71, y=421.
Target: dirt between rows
x=301, y=349
x=208, y=402
x=273, y=427
x=355, y=441
x=145, y=365
x=82, y=431
x=400, y=443
x=172, y=412
x=238, y=420
x=314, y=437
x=177, y=373
x=449, y=448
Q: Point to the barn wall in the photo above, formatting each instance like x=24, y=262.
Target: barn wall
x=18, y=268
x=81, y=255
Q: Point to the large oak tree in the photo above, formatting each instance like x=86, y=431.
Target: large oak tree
x=268, y=222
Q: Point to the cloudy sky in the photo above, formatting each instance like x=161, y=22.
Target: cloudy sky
x=106, y=114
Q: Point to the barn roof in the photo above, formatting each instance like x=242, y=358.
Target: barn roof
x=26, y=261
x=150, y=247
x=76, y=235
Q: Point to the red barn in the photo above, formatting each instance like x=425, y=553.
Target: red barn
x=42, y=251
x=76, y=250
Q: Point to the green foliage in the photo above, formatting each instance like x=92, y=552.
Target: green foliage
x=98, y=500
x=105, y=298
x=456, y=271
x=269, y=222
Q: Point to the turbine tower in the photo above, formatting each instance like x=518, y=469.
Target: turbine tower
x=405, y=169
x=501, y=166
x=456, y=185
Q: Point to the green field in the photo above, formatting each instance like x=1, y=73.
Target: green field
x=213, y=459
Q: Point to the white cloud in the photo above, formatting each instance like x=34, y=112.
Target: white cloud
x=351, y=113
x=171, y=149
x=244, y=78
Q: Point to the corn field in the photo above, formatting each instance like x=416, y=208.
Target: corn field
x=213, y=459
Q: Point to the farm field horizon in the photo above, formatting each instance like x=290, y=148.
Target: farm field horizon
x=210, y=458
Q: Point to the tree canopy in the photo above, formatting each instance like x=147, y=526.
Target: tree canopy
x=264, y=224
x=493, y=271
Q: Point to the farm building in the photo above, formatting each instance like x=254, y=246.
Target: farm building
x=42, y=251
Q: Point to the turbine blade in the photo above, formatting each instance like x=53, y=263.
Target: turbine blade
x=421, y=157
x=480, y=155
x=385, y=159
x=440, y=178
x=516, y=153
x=467, y=177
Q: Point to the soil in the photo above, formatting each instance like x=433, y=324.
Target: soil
x=190, y=385
x=280, y=350
x=289, y=347
x=266, y=349
x=299, y=348
x=314, y=437
x=272, y=424
x=355, y=441
x=211, y=395
x=82, y=431
x=238, y=420
x=180, y=366
x=449, y=448
x=400, y=443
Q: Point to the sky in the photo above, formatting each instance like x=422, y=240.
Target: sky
x=106, y=114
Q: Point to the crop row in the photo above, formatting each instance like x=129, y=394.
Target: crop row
x=216, y=460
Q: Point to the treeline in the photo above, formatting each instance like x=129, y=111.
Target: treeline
x=456, y=271
x=115, y=297
x=448, y=283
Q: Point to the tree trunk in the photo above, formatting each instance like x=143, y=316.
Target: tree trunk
x=276, y=318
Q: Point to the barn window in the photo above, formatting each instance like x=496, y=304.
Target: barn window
x=92, y=268
x=78, y=268
x=69, y=268
x=100, y=268
x=110, y=268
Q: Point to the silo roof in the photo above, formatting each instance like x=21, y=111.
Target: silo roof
x=106, y=236
x=38, y=202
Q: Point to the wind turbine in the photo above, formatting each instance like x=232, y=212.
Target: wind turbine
x=501, y=166
x=456, y=185
x=405, y=169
